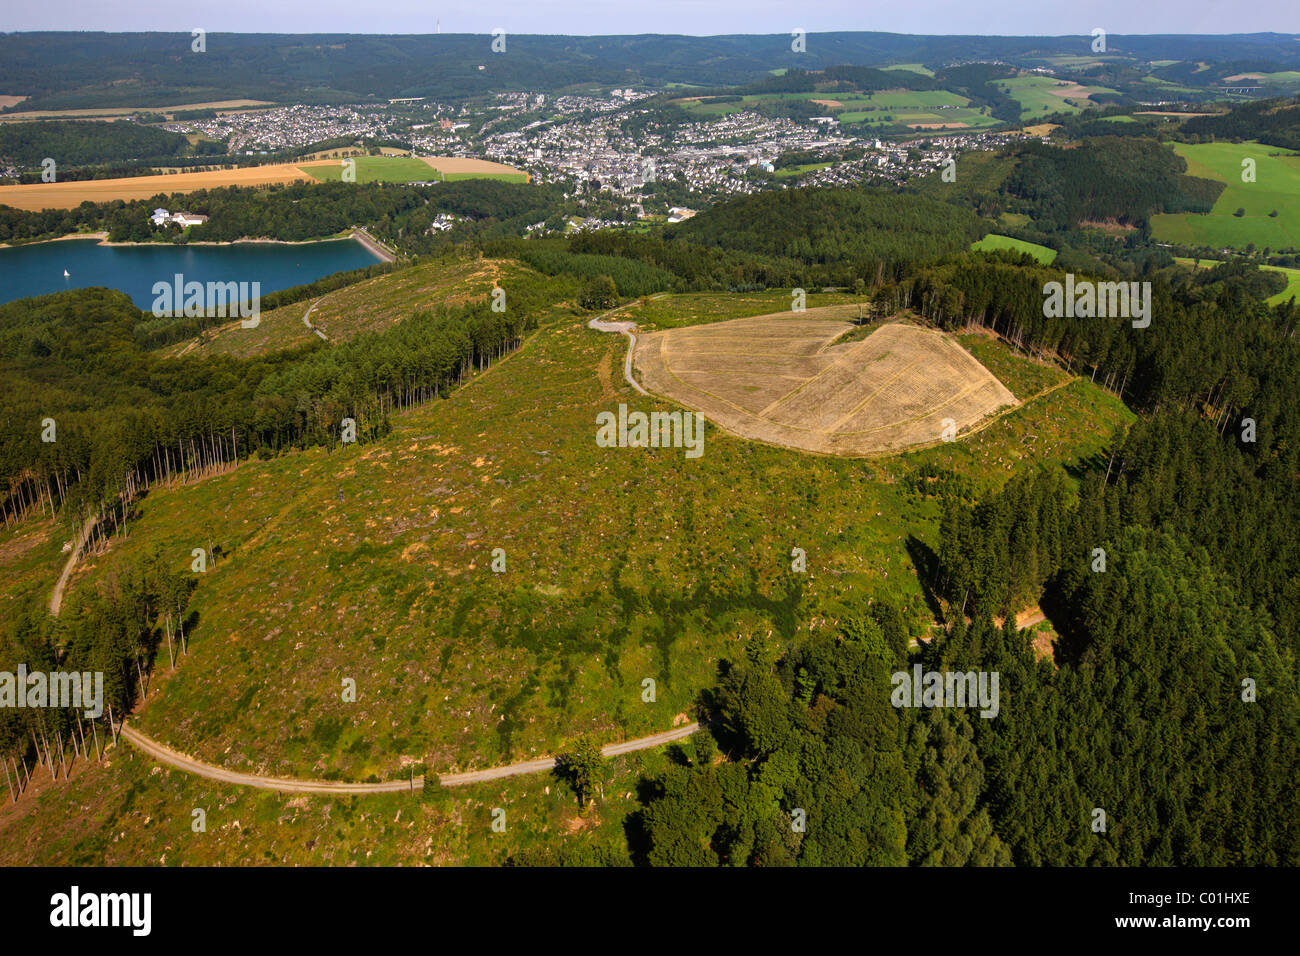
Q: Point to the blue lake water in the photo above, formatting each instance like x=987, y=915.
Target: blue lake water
x=38, y=269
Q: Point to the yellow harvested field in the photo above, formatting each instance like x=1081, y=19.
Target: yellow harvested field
x=781, y=379
x=69, y=195
x=457, y=164
x=110, y=111
x=10, y=101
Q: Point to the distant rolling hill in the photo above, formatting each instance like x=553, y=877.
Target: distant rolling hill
x=80, y=70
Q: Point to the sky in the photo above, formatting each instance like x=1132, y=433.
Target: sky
x=696, y=17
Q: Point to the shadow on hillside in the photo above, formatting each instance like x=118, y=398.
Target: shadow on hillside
x=926, y=563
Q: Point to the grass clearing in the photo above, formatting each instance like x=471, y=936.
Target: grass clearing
x=1276, y=189
x=373, y=169
x=911, y=68
x=994, y=241
x=1292, y=289
x=1043, y=95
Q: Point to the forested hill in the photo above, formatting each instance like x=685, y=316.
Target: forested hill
x=1170, y=705
x=85, y=142
x=1275, y=122
x=835, y=226
x=1099, y=178
x=64, y=70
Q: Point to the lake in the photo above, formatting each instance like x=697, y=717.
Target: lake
x=38, y=268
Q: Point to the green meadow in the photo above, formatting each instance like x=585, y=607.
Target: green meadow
x=1276, y=189
x=993, y=241
x=378, y=169
x=911, y=68
x=504, y=177
x=1292, y=290
x=1043, y=95
x=792, y=171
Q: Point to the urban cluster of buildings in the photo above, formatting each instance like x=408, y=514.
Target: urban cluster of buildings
x=268, y=131
x=896, y=163
x=594, y=143
x=711, y=157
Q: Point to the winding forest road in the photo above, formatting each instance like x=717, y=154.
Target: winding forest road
x=628, y=329
x=306, y=318
x=166, y=755
x=56, y=598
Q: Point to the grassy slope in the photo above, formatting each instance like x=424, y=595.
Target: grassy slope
x=1276, y=187
x=367, y=306
x=131, y=812
x=1034, y=93
x=622, y=564
x=994, y=241
x=1292, y=290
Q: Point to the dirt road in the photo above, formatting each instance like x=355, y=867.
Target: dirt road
x=56, y=599
x=628, y=329
x=306, y=318
x=171, y=757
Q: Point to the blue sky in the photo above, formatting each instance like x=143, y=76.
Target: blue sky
x=699, y=17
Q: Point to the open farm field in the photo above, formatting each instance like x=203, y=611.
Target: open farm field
x=453, y=168
x=784, y=379
x=1043, y=95
x=68, y=195
x=373, y=169
x=115, y=111
x=1276, y=189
